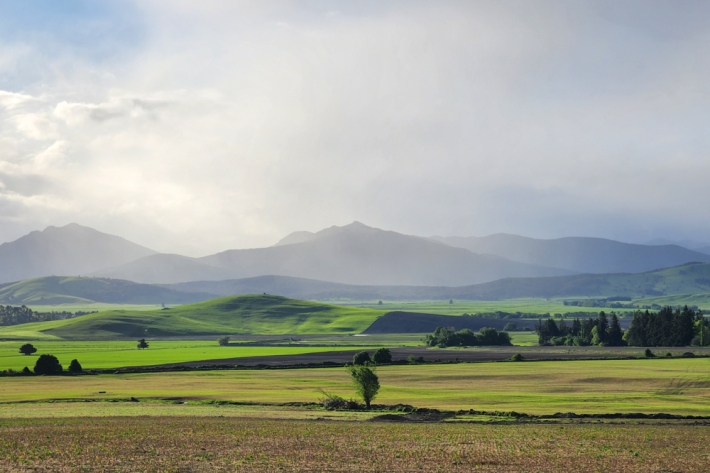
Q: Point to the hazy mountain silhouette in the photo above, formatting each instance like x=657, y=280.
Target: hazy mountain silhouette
x=579, y=254
x=352, y=254
x=70, y=250
x=685, y=279
x=83, y=290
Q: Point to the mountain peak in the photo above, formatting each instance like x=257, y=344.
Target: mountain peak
x=356, y=228
x=69, y=250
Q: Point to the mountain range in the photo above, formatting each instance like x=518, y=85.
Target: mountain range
x=579, y=254
x=71, y=250
x=685, y=284
x=354, y=254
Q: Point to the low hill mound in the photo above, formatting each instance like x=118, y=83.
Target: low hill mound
x=55, y=290
x=251, y=314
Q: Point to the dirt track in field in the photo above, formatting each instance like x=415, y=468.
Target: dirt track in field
x=476, y=354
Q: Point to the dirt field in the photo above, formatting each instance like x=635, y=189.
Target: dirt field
x=199, y=444
x=429, y=354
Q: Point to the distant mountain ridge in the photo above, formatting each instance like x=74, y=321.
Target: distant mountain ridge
x=54, y=290
x=70, y=250
x=352, y=254
x=580, y=254
x=685, y=279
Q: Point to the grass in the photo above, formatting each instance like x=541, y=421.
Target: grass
x=122, y=353
x=679, y=386
x=460, y=307
x=114, y=354
x=700, y=300
x=172, y=444
x=262, y=314
x=524, y=339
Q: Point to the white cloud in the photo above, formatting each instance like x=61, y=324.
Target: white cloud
x=234, y=123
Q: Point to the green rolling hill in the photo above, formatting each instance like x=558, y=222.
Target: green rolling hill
x=251, y=314
x=55, y=290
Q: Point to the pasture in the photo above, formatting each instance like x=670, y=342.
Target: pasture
x=678, y=386
x=258, y=314
x=115, y=354
x=201, y=444
x=536, y=306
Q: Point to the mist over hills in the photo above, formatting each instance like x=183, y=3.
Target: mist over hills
x=353, y=254
x=684, y=279
x=580, y=254
x=55, y=290
x=70, y=250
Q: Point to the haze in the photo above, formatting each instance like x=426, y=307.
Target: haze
x=194, y=127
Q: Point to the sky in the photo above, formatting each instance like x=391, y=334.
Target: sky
x=199, y=126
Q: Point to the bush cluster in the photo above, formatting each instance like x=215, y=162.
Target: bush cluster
x=448, y=337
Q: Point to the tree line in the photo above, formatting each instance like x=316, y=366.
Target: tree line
x=669, y=327
x=13, y=315
x=448, y=337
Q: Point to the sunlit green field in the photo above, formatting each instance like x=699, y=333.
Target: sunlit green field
x=114, y=354
x=91, y=307
x=680, y=386
x=533, y=306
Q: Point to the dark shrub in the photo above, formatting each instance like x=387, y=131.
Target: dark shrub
x=333, y=402
x=516, y=357
x=224, y=341
x=142, y=344
x=648, y=353
x=27, y=349
x=382, y=355
x=48, y=364
x=361, y=358
x=26, y=371
x=75, y=367
x=510, y=327
x=688, y=354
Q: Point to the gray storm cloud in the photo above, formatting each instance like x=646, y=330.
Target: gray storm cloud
x=230, y=124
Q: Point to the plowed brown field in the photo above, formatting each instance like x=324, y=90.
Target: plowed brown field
x=198, y=444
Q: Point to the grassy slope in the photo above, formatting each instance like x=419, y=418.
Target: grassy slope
x=700, y=300
x=255, y=314
x=83, y=291
x=114, y=354
x=48, y=290
x=677, y=385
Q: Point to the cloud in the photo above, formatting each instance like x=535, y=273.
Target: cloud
x=221, y=125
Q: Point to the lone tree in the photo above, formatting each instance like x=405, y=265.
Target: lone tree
x=365, y=381
x=382, y=355
x=75, y=367
x=142, y=344
x=224, y=341
x=27, y=349
x=48, y=364
x=361, y=358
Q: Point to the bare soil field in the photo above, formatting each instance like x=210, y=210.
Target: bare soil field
x=434, y=354
x=201, y=444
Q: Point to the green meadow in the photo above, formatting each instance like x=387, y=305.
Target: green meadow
x=115, y=354
x=679, y=386
x=258, y=314
x=459, y=307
